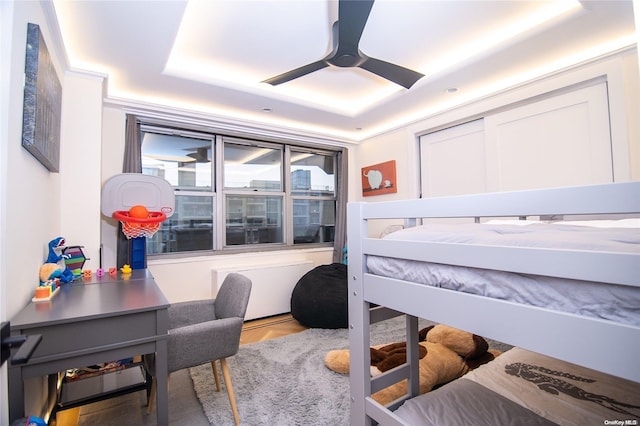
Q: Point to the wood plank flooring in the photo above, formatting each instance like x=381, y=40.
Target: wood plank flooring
x=252, y=331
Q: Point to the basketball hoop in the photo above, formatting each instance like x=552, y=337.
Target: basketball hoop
x=133, y=227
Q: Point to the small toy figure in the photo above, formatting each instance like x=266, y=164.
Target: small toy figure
x=126, y=269
x=65, y=275
x=99, y=272
x=42, y=292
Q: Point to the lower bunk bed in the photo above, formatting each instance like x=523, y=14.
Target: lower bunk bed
x=521, y=387
x=563, y=294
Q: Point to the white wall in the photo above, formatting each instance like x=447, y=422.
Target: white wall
x=80, y=163
x=41, y=205
x=30, y=210
x=111, y=156
x=190, y=278
x=32, y=196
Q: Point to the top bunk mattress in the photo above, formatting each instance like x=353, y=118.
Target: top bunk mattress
x=606, y=301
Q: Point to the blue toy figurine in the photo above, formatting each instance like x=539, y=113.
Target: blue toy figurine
x=65, y=275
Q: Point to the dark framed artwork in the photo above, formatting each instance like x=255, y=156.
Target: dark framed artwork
x=379, y=179
x=42, y=102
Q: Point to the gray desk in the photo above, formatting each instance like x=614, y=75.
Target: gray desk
x=93, y=321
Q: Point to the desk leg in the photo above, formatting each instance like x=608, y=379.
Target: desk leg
x=162, y=398
x=16, y=393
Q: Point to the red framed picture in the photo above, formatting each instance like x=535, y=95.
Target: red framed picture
x=379, y=179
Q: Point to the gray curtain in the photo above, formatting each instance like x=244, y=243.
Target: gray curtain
x=132, y=163
x=340, y=237
x=132, y=146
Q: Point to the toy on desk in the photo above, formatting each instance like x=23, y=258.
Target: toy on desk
x=113, y=271
x=65, y=275
x=99, y=272
x=49, y=271
x=74, y=259
x=46, y=291
x=87, y=273
x=126, y=269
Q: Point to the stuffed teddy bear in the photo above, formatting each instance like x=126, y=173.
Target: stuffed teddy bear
x=446, y=353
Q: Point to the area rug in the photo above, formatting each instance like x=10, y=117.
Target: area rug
x=284, y=381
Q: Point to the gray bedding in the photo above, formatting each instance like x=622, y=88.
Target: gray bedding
x=463, y=402
x=521, y=387
x=611, y=302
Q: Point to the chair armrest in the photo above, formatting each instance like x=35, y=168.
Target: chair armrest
x=196, y=344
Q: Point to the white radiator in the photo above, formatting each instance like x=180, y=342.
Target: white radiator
x=272, y=285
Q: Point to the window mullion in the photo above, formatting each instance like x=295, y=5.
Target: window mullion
x=288, y=202
x=219, y=220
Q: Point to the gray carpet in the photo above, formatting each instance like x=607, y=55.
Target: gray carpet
x=284, y=381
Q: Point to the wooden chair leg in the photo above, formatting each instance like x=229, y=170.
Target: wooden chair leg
x=232, y=398
x=216, y=376
x=152, y=393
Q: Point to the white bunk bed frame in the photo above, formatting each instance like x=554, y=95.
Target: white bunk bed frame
x=598, y=344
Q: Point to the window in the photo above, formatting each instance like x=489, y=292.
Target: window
x=313, y=196
x=185, y=161
x=234, y=193
x=254, y=196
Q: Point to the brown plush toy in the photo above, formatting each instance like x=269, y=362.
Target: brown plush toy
x=446, y=353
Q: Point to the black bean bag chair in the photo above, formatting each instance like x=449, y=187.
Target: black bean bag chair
x=319, y=299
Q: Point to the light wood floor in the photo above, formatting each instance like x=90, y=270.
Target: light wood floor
x=253, y=331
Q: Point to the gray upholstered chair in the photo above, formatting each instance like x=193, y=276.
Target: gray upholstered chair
x=206, y=331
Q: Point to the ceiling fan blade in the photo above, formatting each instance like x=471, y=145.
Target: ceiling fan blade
x=298, y=72
x=352, y=18
x=399, y=75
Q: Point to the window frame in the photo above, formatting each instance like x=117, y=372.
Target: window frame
x=219, y=194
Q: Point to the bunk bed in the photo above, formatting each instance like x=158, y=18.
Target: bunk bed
x=602, y=342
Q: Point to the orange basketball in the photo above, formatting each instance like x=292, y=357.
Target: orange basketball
x=138, y=212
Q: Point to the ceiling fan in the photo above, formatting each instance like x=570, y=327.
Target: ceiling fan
x=347, y=31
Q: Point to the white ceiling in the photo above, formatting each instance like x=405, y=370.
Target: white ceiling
x=210, y=56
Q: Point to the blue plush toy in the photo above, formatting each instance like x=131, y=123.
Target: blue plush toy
x=63, y=273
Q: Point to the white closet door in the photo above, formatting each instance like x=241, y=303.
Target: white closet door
x=452, y=161
x=559, y=141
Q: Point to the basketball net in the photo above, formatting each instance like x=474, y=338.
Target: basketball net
x=133, y=227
